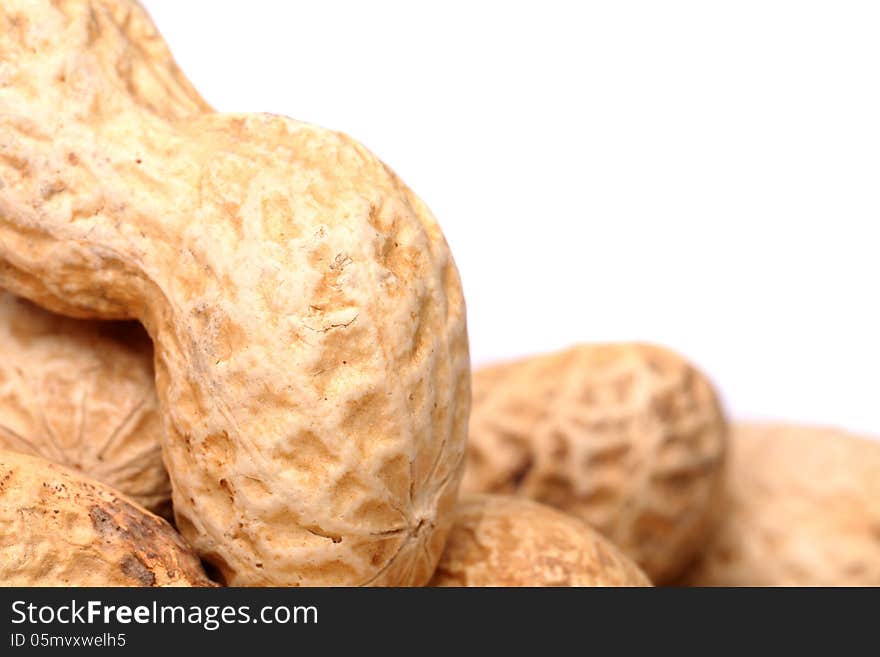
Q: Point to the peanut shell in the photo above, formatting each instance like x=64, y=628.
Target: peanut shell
x=507, y=541
x=309, y=327
x=60, y=528
x=628, y=437
x=801, y=508
x=82, y=394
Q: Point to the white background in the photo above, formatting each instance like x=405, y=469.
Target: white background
x=700, y=174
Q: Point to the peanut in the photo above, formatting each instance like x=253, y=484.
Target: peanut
x=307, y=317
x=628, y=437
x=506, y=541
x=60, y=528
x=801, y=508
x=82, y=394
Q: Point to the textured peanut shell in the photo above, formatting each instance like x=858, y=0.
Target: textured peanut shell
x=802, y=508
x=60, y=528
x=499, y=540
x=629, y=437
x=311, y=352
x=82, y=394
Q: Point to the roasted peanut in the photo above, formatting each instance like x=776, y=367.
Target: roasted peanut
x=628, y=437
x=309, y=327
x=60, y=528
x=507, y=541
x=82, y=394
x=801, y=508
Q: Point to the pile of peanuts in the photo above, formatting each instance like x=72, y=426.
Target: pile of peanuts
x=233, y=351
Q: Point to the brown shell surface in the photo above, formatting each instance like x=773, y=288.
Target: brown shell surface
x=802, y=508
x=308, y=321
x=629, y=437
x=500, y=540
x=60, y=528
x=82, y=394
